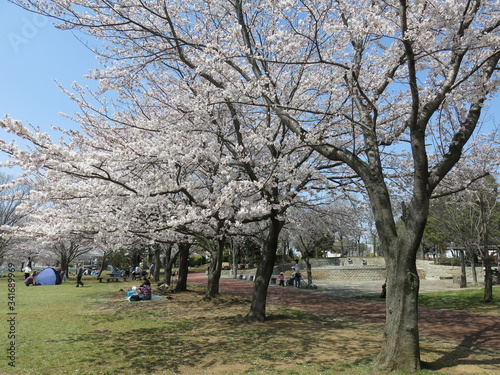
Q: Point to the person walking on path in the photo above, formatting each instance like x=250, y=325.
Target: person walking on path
x=79, y=274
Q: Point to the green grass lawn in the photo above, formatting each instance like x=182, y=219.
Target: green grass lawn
x=62, y=329
x=467, y=299
x=57, y=327
x=93, y=331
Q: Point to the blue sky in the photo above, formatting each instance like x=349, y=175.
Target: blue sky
x=33, y=56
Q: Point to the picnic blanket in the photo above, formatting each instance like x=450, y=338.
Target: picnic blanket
x=154, y=297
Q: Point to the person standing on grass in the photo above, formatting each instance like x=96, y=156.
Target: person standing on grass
x=27, y=271
x=281, y=279
x=151, y=270
x=79, y=274
x=296, y=270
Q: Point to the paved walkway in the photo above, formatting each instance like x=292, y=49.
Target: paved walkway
x=458, y=327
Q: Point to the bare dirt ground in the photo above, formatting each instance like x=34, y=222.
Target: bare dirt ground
x=328, y=331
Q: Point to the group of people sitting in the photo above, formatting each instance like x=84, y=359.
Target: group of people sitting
x=138, y=273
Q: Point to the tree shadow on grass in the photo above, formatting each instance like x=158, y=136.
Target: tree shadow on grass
x=461, y=352
x=219, y=339
x=142, y=350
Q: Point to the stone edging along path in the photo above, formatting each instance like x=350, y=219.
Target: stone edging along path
x=457, y=327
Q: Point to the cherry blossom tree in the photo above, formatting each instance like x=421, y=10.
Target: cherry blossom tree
x=10, y=198
x=468, y=219
x=309, y=227
x=67, y=251
x=391, y=90
x=242, y=167
x=200, y=193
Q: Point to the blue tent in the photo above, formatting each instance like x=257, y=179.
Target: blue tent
x=48, y=276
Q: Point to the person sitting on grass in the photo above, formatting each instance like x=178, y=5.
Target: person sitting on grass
x=145, y=290
x=384, y=290
x=30, y=280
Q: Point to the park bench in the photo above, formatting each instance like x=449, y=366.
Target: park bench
x=112, y=278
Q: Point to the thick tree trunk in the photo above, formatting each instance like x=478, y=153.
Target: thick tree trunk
x=400, y=347
x=104, y=263
x=463, y=276
x=64, y=266
x=183, y=267
x=473, y=268
x=309, y=271
x=235, y=261
x=167, y=265
x=264, y=272
x=157, y=261
x=215, y=270
x=235, y=249
x=488, y=279
x=484, y=219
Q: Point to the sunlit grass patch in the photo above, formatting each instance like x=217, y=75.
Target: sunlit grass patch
x=467, y=299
